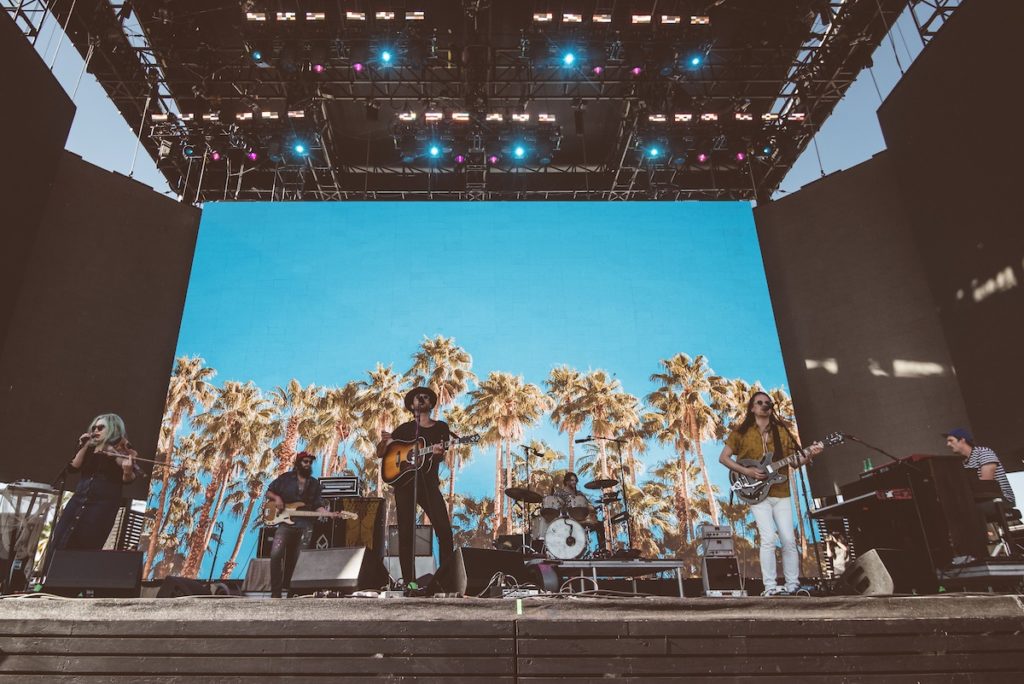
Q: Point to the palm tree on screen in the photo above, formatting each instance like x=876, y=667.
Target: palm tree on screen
x=188, y=390
x=444, y=367
x=382, y=408
x=245, y=494
x=338, y=413
x=565, y=385
x=295, y=404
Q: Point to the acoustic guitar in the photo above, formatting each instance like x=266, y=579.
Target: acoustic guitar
x=403, y=458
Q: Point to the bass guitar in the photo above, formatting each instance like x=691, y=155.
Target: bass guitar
x=273, y=515
x=403, y=458
x=752, y=491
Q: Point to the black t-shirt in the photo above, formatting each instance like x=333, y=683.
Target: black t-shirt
x=435, y=434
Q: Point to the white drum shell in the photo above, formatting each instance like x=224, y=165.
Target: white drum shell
x=557, y=540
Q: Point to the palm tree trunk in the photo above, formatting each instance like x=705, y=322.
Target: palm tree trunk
x=229, y=567
x=682, y=498
x=572, y=450
x=695, y=441
x=498, y=491
x=215, y=512
x=451, y=485
x=286, y=450
x=603, y=455
x=509, y=463
x=197, y=540
x=165, y=478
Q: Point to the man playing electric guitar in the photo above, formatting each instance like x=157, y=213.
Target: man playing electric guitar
x=420, y=486
x=297, y=484
x=761, y=432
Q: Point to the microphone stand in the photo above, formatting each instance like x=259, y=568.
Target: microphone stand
x=216, y=552
x=60, y=484
x=625, y=495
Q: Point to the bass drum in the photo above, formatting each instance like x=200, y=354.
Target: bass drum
x=565, y=539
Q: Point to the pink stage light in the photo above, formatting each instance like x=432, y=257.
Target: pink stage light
x=702, y=157
x=492, y=160
x=252, y=156
x=319, y=68
x=215, y=155
x=741, y=156
x=636, y=71
x=460, y=159
x=598, y=70
x=358, y=67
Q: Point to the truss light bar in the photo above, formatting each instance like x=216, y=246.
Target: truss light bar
x=384, y=16
x=286, y=16
x=269, y=115
x=546, y=118
x=656, y=118
x=641, y=18
x=572, y=18
x=494, y=117
x=256, y=16
x=744, y=116
x=213, y=116
x=522, y=118
x=671, y=19
x=460, y=117
x=407, y=116
x=244, y=116
x=415, y=16
x=543, y=17
x=355, y=16
x=769, y=117
x=296, y=113
x=316, y=16
x=700, y=20
x=187, y=117
x=798, y=117
x=709, y=116
x=682, y=118
x=158, y=117
x=602, y=18
x=433, y=116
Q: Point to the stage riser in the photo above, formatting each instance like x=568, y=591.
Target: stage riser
x=925, y=639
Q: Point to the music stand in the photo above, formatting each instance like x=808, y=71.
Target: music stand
x=23, y=509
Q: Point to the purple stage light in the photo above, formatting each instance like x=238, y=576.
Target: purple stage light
x=492, y=160
x=358, y=67
x=319, y=68
x=702, y=157
x=741, y=156
x=636, y=71
x=460, y=159
x=598, y=70
x=215, y=155
x=252, y=156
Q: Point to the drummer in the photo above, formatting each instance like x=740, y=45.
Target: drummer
x=568, y=492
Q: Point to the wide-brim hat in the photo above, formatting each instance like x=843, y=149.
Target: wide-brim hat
x=420, y=390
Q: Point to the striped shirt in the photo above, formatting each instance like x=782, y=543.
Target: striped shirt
x=981, y=456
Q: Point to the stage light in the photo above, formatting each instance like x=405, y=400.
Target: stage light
x=299, y=148
x=653, y=152
x=702, y=157
x=215, y=155
x=741, y=156
x=358, y=67
x=188, y=151
x=519, y=152
x=636, y=71
x=434, y=151
x=568, y=58
x=252, y=155
x=386, y=56
x=598, y=70
x=460, y=159
x=319, y=68
x=695, y=61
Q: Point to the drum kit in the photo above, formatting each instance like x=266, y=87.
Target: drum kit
x=567, y=526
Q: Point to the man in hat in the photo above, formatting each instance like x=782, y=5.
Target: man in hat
x=423, y=488
x=297, y=484
x=980, y=459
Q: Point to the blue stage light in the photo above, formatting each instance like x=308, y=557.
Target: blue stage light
x=257, y=55
x=434, y=151
x=386, y=56
x=696, y=60
x=519, y=152
x=299, y=148
x=568, y=59
x=654, y=152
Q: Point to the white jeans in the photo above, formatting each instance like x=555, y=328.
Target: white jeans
x=774, y=518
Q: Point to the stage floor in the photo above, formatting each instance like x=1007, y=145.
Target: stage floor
x=946, y=638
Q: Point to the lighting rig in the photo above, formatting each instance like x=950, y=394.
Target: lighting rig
x=310, y=99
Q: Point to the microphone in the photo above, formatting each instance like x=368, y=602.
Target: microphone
x=585, y=439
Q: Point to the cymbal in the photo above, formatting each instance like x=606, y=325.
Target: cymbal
x=523, y=494
x=603, y=483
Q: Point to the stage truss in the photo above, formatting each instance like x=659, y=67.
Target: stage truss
x=663, y=101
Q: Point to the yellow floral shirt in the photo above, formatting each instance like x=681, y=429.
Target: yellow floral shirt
x=753, y=444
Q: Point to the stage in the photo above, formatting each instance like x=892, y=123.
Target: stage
x=946, y=638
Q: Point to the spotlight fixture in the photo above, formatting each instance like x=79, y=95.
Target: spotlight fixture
x=703, y=157
x=188, y=150
x=215, y=155
x=568, y=59
x=252, y=155
x=434, y=150
x=519, y=151
x=300, y=149
x=386, y=56
x=741, y=156
x=358, y=67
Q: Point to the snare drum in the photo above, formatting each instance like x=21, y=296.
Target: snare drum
x=566, y=539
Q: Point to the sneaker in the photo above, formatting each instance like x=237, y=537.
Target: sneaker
x=774, y=591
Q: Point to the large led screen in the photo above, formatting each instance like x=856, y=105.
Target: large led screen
x=539, y=323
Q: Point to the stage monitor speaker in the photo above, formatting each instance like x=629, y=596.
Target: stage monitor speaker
x=424, y=565
x=887, y=572
x=108, y=574
x=348, y=568
x=176, y=587
x=720, y=574
x=470, y=570
x=423, y=546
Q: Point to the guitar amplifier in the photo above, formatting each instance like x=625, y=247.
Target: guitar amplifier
x=716, y=548
x=342, y=485
x=709, y=531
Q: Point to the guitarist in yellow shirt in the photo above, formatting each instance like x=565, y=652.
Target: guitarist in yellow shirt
x=421, y=486
x=762, y=432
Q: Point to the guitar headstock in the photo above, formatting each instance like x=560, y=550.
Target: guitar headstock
x=471, y=439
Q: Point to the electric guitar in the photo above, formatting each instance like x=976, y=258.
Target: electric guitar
x=272, y=515
x=752, y=491
x=403, y=458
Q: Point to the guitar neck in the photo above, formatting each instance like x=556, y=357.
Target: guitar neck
x=788, y=461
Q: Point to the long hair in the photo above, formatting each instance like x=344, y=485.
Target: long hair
x=773, y=422
x=115, y=430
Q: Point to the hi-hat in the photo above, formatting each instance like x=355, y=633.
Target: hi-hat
x=602, y=483
x=523, y=494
